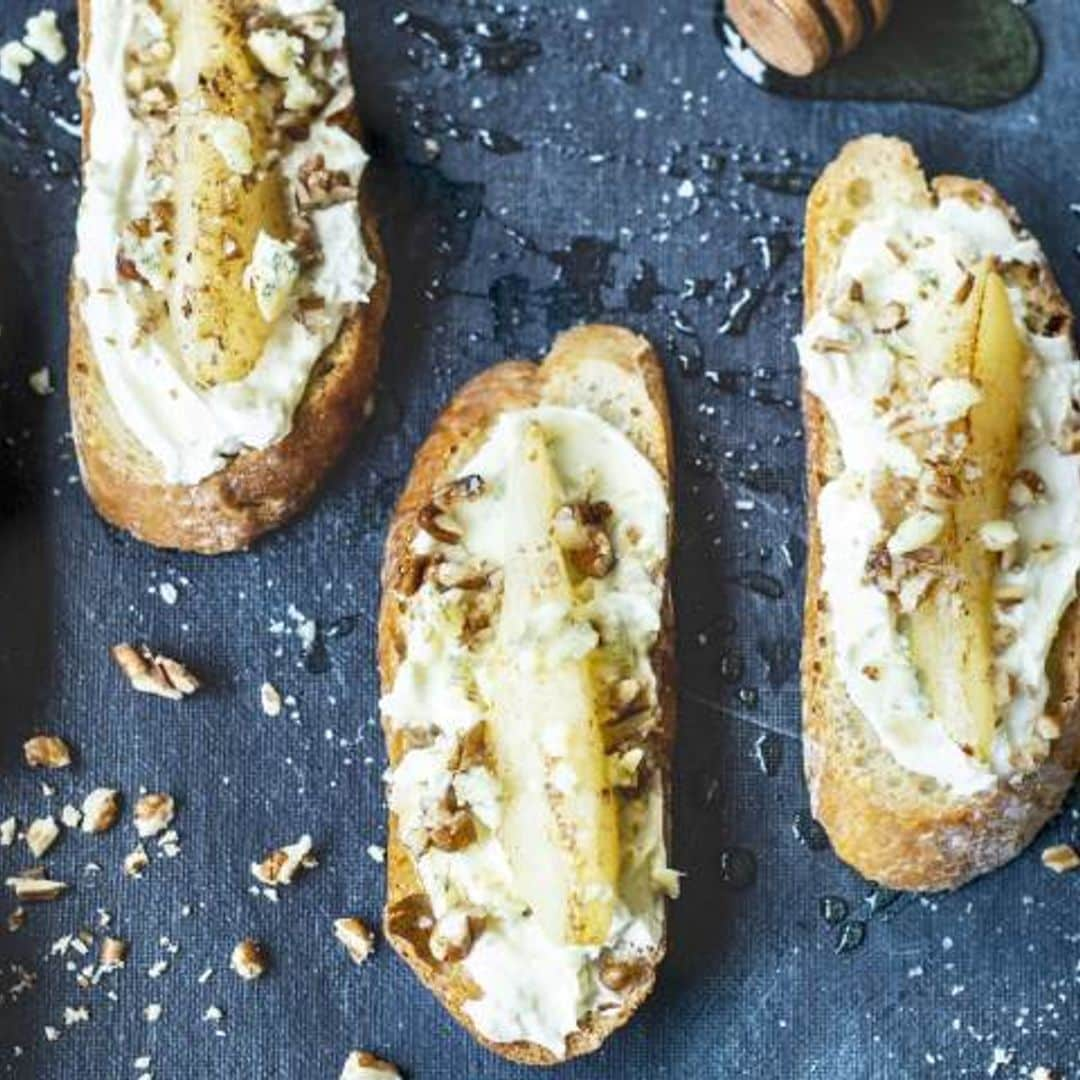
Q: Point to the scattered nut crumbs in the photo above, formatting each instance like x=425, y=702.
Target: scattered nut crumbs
x=35, y=888
x=280, y=866
x=47, y=752
x=270, y=699
x=100, y=810
x=41, y=835
x=154, y=674
x=358, y=940
x=361, y=1065
x=1061, y=858
x=135, y=862
x=153, y=813
x=248, y=959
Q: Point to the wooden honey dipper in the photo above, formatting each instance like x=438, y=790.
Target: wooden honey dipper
x=800, y=37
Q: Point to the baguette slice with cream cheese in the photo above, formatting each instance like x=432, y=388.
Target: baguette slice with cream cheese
x=229, y=287
x=525, y=649
x=942, y=641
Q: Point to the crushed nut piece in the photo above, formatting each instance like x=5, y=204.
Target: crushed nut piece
x=248, y=959
x=453, y=935
x=619, y=975
x=450, y=827
x=580, y=529
x=361, y=1065
x=112, y=953
x=41, y=835
x=135, y=862
x=280, y=867
x=47, y=752
x=1061, y=858
x=100, y=810
x=963, y=290
x=270, y=699
x=356, y=937
x=154, y=674
x=34, y=888
x=153, y=814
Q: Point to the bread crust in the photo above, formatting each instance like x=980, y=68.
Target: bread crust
x=456, y=434
x=912, y=836
x=257, y=490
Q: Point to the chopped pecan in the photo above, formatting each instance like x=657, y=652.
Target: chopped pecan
x=411, y=918
x=358, y=940
x=452, y=574
x=248, y=959
x=453, y=935
x=580, y=529
x=621, y=975
x=46, y=752
x=152, y=674
x=450, y=827
x=320, y=187
x=471, y=749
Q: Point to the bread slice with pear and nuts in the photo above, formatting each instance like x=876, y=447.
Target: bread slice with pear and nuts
x=502, y=520
x=901, y=826
x=187, y=434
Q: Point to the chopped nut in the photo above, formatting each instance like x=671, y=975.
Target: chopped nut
x=112, y=953
x=998, y=535
x=916, y=531
x=471, y=749
x=1061, y=858
x=152, y=674
x=451, y=574
x=897, y=250
x=433, y=520
x=356, y=937
x=893, y=316
x=411, y=918
x=101, y=810
x=620, y=975
x=47, y=752
x=135, y=862
x=361, y=1065
x=35, y=889
x=319, y=186
x=248, y=959
x=1027, y=487
x=281, y=866
x=41, y=835
x=153, y=814
x=963, y=290
x=832, y=345
x=449, y=826
x=580, y=530
x=453, y=935
x=270, y=699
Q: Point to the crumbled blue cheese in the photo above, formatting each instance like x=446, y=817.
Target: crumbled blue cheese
x=279, y=52
x=272, y=275
x=232, y=140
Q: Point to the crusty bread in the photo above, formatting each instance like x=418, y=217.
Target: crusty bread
x=617, y=375
x=898, y=828
x=258, y=489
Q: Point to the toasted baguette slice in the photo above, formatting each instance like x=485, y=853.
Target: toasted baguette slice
x=896, y=827
x=615, y=374
x=258, y=489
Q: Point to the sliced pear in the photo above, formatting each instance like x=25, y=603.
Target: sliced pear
x=223, y=197
x=559, y=826
x=951, y=631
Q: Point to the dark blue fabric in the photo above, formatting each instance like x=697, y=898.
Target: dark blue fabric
x=605, y=166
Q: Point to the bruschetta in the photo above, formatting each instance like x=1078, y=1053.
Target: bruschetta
x=525, y=647
x=228, y=288
x=941, y=655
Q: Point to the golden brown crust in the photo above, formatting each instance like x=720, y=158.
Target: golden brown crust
x=456, y=434
x=259, y=489
x=908, y=835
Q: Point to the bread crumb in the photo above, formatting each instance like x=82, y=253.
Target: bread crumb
x=100, y=810
x=248, y=959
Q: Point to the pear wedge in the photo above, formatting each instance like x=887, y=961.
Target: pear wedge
x=559, y=825
x=223, y=195
x=951, y=631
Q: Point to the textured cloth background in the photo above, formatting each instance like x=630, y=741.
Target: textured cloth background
x=539, y=164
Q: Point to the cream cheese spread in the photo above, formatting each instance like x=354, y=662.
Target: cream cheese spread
x=191, y=430
x=531, y=987
x=920, y=259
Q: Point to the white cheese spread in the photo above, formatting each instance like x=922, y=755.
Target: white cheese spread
x=532, y=987
x=920, y=259
x=190, y=429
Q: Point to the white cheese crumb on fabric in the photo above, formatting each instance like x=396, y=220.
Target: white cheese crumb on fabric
x=43, y=36
x=41, y=382
x=377, y=853
x=15, y=58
